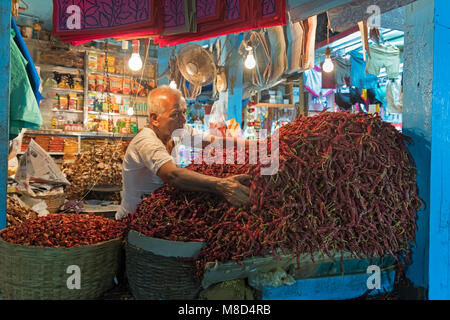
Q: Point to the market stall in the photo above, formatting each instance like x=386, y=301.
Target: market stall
x=318, y=99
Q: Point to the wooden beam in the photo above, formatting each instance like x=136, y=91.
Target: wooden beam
x=303, y=9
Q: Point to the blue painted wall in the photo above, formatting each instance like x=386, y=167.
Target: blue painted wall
x=417, y=111
x=439, y=264
x=41, y=9
x=233, y=96
x=426, y=120
x=5, y=26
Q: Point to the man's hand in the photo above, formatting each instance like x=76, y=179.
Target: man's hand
x=230, y=188
x=234, y=191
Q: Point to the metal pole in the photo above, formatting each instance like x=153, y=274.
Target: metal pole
x=5, y=45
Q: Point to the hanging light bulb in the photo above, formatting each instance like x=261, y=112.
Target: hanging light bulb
x=135, y=62
x=250, y=61
x=328, y=65
x=130, y=111
x=173, y=84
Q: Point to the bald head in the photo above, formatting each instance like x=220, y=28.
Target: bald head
x=161, y=98
x=167, y=111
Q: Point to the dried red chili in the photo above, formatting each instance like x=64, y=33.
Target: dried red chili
x=64, y=230
x=343, y=178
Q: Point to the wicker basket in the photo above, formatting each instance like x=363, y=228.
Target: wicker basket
x=40, y=273
x=154, y=277
x=54, y=202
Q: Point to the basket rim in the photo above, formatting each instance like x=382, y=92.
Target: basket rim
x=64, y=248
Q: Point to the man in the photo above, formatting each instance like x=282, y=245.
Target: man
x=148, y=163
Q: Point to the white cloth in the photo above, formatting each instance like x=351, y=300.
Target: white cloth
x=145, y=155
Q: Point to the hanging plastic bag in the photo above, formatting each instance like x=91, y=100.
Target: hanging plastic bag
x=233, y=129
x=394, y=96
x=15, y=145
x=217, y=122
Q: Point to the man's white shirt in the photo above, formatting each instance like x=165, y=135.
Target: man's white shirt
x=145, y=155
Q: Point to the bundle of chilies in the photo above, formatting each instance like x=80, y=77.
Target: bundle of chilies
x=64, y=230
x=346, y=184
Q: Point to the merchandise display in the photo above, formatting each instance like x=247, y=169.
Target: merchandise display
x=307, y=173
x=344, y=162
x=64, y=230
x=102, y=165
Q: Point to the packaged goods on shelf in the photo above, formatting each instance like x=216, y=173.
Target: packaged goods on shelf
x=100, y=83
x=120, y=65
x=92, y=82
x=126, y=86
x=100, y=63
x=77, y=83
x=92, y=61
x=73, y=101
x=115, y=84
x=149, y=70
x=73, y=127
x=70, y=145
x=63, y=102
x=111, y=60
x=25, y=142
x=56, y=144
x=80, y=103
x=43, y=141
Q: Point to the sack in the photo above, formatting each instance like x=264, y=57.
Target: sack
x=274, y=278
x=394, y=97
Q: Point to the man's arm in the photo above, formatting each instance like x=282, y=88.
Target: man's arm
x=230, y=188
x=231, y=140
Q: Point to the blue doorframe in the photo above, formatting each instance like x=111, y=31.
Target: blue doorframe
x=426, y=108
x=5, y=26
x=417, y=110
x=439, y=256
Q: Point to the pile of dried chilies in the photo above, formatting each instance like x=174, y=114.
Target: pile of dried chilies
x=64, y=230
x=346, y=183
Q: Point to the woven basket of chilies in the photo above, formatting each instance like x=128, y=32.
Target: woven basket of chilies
x=161, y=270
x=60, y=257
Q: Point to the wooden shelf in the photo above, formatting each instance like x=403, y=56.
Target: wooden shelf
x=68, y=111
x=103, y=93
x=53, y=153
x=87, y=134
x=115, y=114
x=60, y=69
x=65, y=90
x=119, y=75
